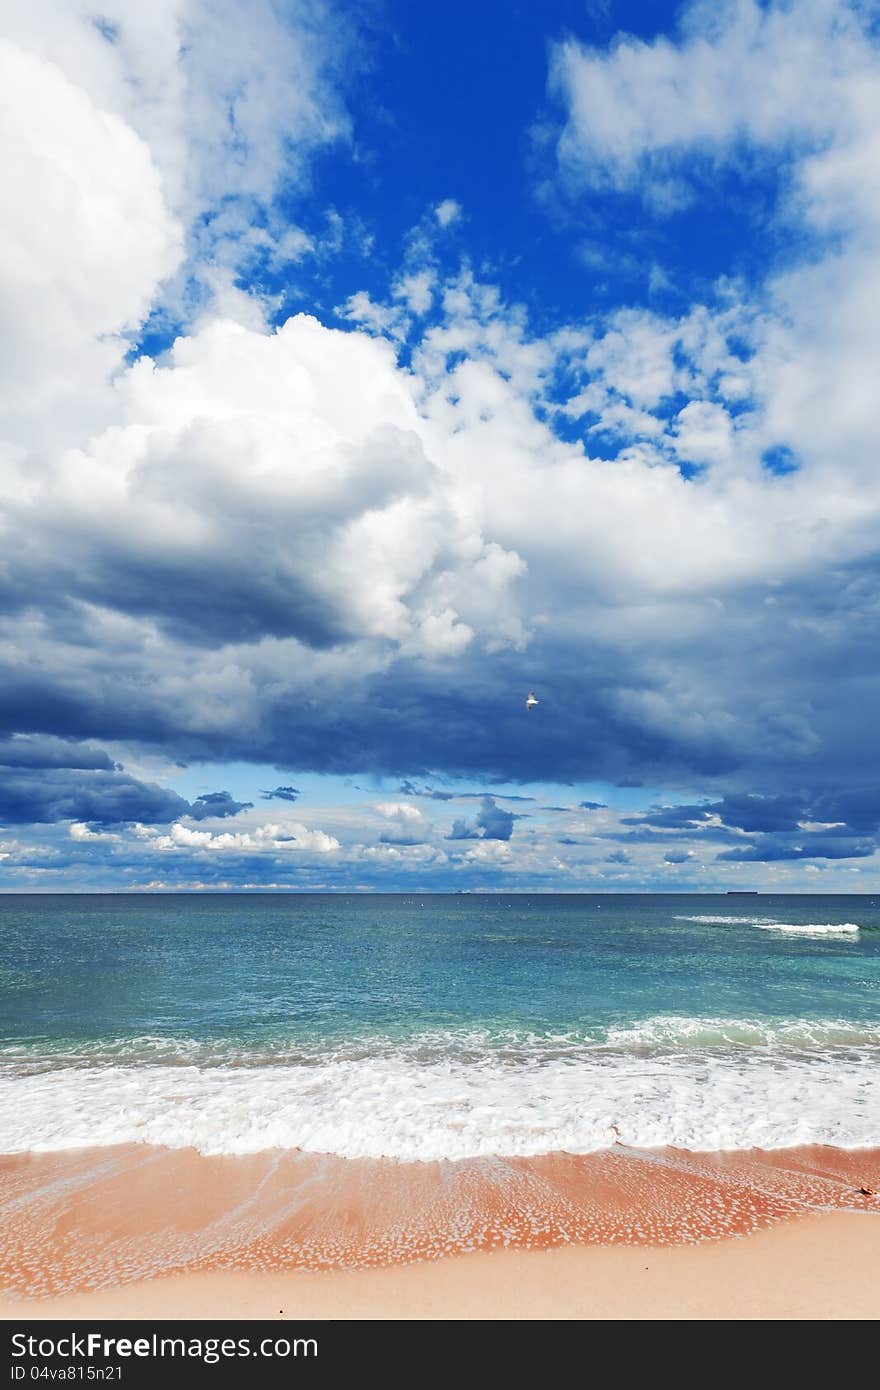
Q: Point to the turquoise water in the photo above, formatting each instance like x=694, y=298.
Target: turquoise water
x=426, y=1026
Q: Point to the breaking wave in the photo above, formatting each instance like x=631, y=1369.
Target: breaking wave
x=696, y=1083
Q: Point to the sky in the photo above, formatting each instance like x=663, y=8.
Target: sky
x=365, y=366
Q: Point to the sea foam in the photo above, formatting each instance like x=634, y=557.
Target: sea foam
x=713, y=918
x=812, y=928
x=689, y=1083
x=764, y=924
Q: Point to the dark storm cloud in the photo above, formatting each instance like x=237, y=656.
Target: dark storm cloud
x=856, y=807
x=281, y=794
x=216, y=804
x=491, y=822
x=689, y=716
x=47, y=779
x=817, y=825
x=47, y=751
x=198, y=599
x=405, y=722
x=747, y=812
x=412, y=720
x=97, y=796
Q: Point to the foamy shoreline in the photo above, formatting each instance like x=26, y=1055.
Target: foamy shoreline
x=685, y=1082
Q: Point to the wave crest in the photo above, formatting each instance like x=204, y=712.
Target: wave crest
x=765, y=924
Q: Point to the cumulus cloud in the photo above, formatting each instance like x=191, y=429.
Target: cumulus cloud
x=399, y=810
x=488, y=852
x=492, y=822
x=407, y=824
x=292, y=836
x=463, y=830
x=143, y=149
x=241, y=498
x=231, y=103
x=86, y=239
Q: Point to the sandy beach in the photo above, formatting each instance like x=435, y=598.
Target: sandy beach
x=142, y=1232
x=815, y=1267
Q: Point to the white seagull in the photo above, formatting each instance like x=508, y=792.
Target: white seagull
x=531, y=700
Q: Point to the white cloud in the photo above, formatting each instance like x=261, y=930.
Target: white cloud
x=416, y=290
x=399, y=856
x=793, y=87
x=82, y=834
x=360, y=309
x=399, y=810
x=774, y=76
x=86, y=239
x=636, y=356
x=245, y=444
x=292, y=836
x=703, y=433
x=447, y=212
x=489, y=852
x=231, y=100
x=291, y=246
x=128, y=134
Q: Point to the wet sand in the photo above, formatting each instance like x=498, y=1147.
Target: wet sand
x=821, y=1267
x=140, y=1231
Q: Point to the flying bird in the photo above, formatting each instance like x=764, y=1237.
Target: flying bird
x=531, y=700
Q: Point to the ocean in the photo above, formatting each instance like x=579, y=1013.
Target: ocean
x=427, y=1026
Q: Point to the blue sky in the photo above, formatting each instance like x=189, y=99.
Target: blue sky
x=368, y=365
